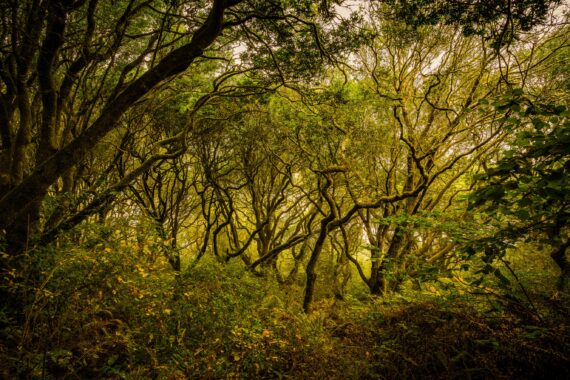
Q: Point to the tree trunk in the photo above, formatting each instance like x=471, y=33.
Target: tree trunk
x=312, y=264
x=559, y=257
x=375, y=281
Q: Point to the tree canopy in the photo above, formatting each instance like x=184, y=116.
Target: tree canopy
x=361, y=153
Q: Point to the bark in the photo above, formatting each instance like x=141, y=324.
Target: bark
x=317, y=249
x=274, y=252
x=375, y=281
x=312, y=264
x=24, y=224
x=5, y=125
x=381, y=282
x=559, y=257
x=46, y=61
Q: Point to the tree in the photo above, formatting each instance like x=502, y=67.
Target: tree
x=62, y=63
x=71, y=70
x=497, y=20
x=425, y=85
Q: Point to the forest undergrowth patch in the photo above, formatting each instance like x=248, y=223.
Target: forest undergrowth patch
x=96, y=314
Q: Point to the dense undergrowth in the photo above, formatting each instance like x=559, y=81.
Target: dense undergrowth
x=104, y=312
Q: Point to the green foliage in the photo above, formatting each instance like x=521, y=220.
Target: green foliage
x=283, y=53
x=102, y=312
x=526, y=189
x=486, y=18
x=271, y=143
x=524, y=195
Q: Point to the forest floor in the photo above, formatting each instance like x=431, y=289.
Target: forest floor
x=97, y=314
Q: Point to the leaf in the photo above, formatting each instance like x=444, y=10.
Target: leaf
x=501, y=277
x=538, y=123
x=522, y=214
x=493, y=192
